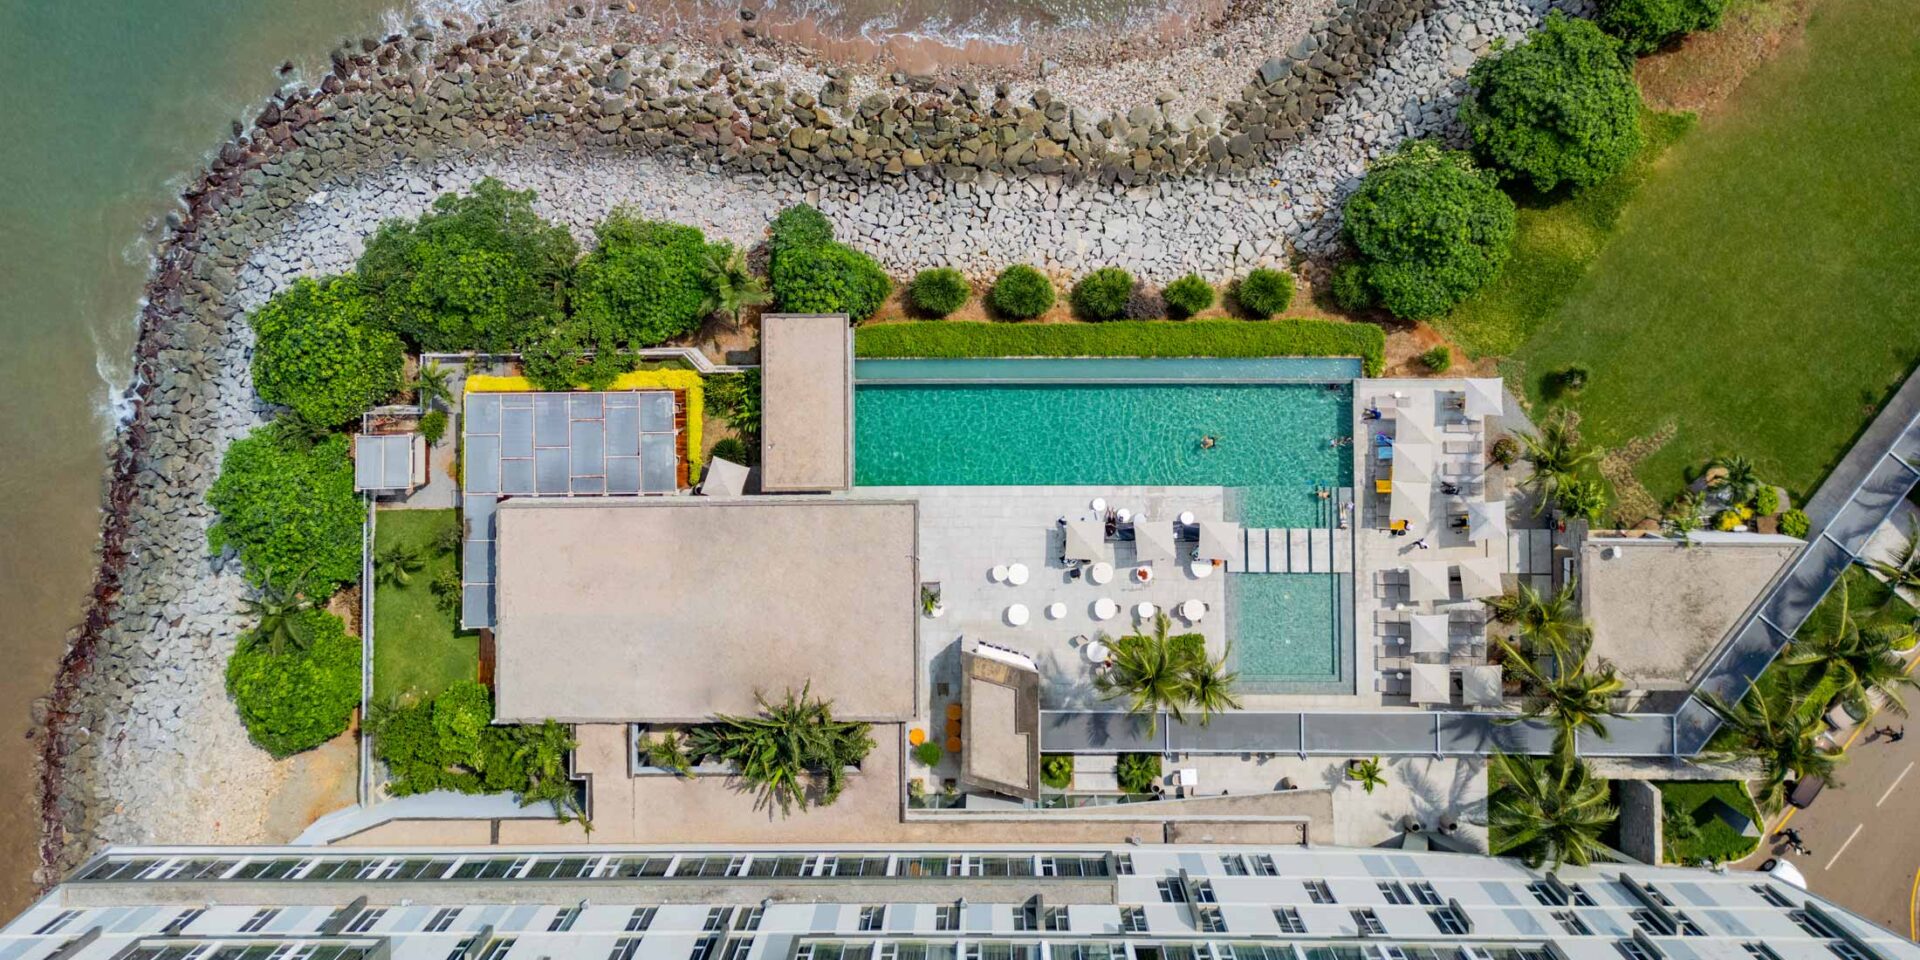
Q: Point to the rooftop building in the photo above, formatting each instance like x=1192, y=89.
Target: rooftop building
x=920, y=903
x=806, y=427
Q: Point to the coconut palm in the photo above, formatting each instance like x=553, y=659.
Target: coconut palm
x=432, y=384
x=1784, y=737
x=1210, y=686
x=396, y=565
x=1902, y=566
x=1737, y=479
x=1557, y=455
x=1584, y=497
x=1148, y=673
x=1367, y=773
x=1544, y=622
x=1854, y=660
x=1574, y=695
x=731, y=286
x=1548, y=812
x=278, y=610
x=794, y=753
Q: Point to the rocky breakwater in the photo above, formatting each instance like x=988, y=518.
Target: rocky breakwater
x=140, y=741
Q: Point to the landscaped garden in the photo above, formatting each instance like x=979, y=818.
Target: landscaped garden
x=418, y=648
x=1699, y=818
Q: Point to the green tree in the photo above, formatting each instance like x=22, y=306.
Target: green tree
x=794, y=753
x=829, y=278
x=1557, y=454
x=1582, y=496
x=1855, y=660
x=797, y=227
x=1784, y=737
x=645, y=282
x=1737, y=479
x=1560, y=107
x=432, y=384
x=732, y=286
x=1572, y=695
x=1210, y=686
x=1644, y=26
x=1901, y=568
x=1548, y=813
x=1367, y=773
x=478, y=271
x=1148, y=672
x=296, y=699
x=1430, y=227
x=1188, y=295
x=1263, y=292
x=277, y=610
x=316, y=352
x=285, y=506
x=396, y=565
x=1545, y=623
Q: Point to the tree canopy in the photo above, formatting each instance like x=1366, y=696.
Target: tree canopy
x=316, y=352
x=289, y=508
x=645, y=282
x=1560, y=107
x=1431, y=228
x=480, y=271
x=297, y=698
x=1644, y=26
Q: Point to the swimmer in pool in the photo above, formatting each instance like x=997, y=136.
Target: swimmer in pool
x=1207, y=442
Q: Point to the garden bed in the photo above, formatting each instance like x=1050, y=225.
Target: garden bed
x=1712, y=838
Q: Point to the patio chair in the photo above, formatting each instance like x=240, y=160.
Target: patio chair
x=1462, y=426
x=1460, y=446
x=1390, y=616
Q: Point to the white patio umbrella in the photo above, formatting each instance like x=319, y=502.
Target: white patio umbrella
x=1480, y=578
x=1412, y=502
x=1153, y=540
x=1485, y=398
x=1480, y=685
x=1412, y=463
x=1219, y=540
x=724, y=479
x=1431, y=684
x=1429, y=632
x=1486, y=520
x=1413, y=421
x=1427, y=581
x=1086, y=539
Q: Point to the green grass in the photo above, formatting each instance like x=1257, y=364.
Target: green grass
x=1127, y=338
x=1760, y=290
x=416, y=644
x=1715, y=840
x=1558, y=235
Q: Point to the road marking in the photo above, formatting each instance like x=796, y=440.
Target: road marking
x=1895, y=785
x=1843, y=846
x=1913, y=900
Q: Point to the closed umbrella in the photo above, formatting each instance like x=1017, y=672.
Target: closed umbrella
x=1086, y=539
x=1485, y=398
x=1480, y=578
x=1427, y=581
x=1487, y=520
x=1152, y=540
x=1219, y=540
x=1412, y=502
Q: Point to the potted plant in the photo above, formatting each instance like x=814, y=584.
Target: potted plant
x=930, y=604
x=1367, y=773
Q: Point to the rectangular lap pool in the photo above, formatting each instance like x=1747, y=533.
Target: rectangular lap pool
x=1279, y=429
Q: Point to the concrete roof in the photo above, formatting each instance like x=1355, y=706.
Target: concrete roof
x=674, y=609
x=806, y=389
x=1001, y=745
x=1658, y=610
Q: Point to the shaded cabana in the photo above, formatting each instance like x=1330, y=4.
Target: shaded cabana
x=724, y=479
x=1413, y=502
x=1413, y=422
x=1429, y=633
x=1413, y=462
x=1431, y=683
x=1480, y=686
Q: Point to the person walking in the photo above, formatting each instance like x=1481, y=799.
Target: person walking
x=1421, y=543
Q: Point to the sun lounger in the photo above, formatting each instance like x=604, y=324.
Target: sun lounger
x=1390, y=616
x=1461, y=446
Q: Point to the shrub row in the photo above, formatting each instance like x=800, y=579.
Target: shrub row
x=1022, y=292
x=1128, y=338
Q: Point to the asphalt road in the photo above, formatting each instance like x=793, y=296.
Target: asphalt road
x=1864, y=848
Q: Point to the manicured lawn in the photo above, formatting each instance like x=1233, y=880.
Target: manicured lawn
x=1129, y=338
x=1713, y=840
x=1760, y=291
x=416, y=647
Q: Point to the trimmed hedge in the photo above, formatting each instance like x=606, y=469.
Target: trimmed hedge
x=1128, y=338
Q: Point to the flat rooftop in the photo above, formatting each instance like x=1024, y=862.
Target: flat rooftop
x=806, y=382
x=672, y=610
x=1002, y=722
x=1659, y=609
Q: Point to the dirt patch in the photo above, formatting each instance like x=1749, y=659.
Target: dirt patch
x=1699, y=73
x=346, y=606
x=313, y=784
x=1631, y=501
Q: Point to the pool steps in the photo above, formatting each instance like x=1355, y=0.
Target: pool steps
x=1294, y=550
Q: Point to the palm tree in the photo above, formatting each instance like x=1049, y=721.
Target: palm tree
x=1784, y=737
x=1573, y=696
x=1556, y=454
x=432, y=384
x=1148, y=672
x=1737, y=479
x=1367, y=773
x=793, y=754
x=1210, y=686
x=1584, y=497
x=1902, y=567
x=1548, y=812
x=541, y=749
x=279, y=611
x=1545, y=623
x=396, y=565
x=732, y=287
x=1854, y=660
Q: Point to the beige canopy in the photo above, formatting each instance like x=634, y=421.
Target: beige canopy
x=1086, y=539
x=1486, y=520
x=1485, y=398
x=1219, y=540
x=1480, y=578
x=1429, y=632
x=1431, y=683
x=1153, y=540
x=1427, y=581
x=1413, y=462
x=1411, y=501
x=1480, y=685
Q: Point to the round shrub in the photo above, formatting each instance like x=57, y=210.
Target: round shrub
x=433, y=426
x=732, y=450
x=1188, y=295
x=645, y=282
x=1561, y=107
x=1430, y=227
x=1021, y=292
x=1643, y=26
x=1350, y=290
x=316, y=353
x=302, y=697
x=1439, y=359
x=479, y=271
x=1102, y=294
x=1265, y=292
x=796, y=227
x=289, y=509
x=939, y=292
x=1794, y=523
x=1767, y=501
x=829, y=278
x=928, y=754
x=1137, y=772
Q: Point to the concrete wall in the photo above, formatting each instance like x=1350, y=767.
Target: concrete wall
x=1642, y=832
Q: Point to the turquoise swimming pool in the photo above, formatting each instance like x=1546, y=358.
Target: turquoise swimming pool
x=955, y=424
x=1140, y=422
